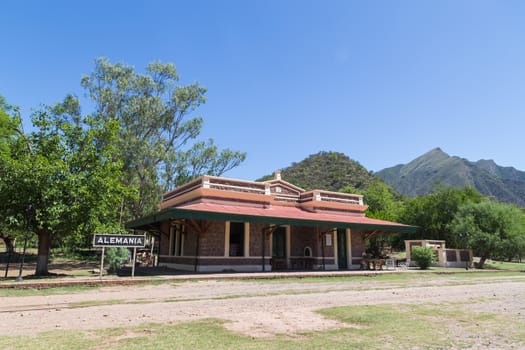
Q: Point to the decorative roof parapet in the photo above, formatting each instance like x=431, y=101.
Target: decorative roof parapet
x=219, y=183
x=328, y=196
x=276, y=191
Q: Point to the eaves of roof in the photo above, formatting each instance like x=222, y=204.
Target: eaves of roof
x=274, y=215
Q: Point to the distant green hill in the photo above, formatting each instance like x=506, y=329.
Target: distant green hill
x=330, y=171
x=419, y=176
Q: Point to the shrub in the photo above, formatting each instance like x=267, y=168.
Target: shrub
x=114, y=257
x=423, y=256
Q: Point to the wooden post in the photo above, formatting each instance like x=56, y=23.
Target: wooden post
x=102, y=263
x=196, y=266
x=322, y=247
x=263, y=243
x=151, y=260
x=134, y=261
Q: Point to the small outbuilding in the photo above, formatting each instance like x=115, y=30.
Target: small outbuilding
x=444, y=257
x=215, y=224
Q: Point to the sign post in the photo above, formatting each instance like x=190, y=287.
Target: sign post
x=134, y=260
x=127, y=241
x=102, y=263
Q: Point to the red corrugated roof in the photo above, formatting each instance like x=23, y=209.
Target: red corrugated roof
x=273, y=215
x=283, y=212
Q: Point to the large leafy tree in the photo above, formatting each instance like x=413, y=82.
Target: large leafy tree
x=69, y=169
x=491, y=229
x=88, y=173
x=9, y=131
x=7, y=127
x=383, y=203
x=433, y=213
x=158, y=130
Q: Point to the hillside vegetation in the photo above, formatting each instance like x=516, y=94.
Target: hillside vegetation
x=326, y=171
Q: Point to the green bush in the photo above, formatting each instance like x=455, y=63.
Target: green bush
x=115, y=257
x=423, y=256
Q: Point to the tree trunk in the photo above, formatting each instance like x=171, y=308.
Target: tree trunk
x=44, y=245
x=481, y=263
x=9, y=242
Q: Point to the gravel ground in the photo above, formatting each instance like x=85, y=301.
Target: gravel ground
x=259, y=309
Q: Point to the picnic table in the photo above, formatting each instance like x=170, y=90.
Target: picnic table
x=376, y=264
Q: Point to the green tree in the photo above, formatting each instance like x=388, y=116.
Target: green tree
x=158, y=129
x=383, y=203
x=490, y=229
x=92, y=172
x=6, y=127
x=433, y=213
x=69, y=169
x=9, y=121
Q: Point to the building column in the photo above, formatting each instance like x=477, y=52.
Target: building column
x=335, y=243
x=227, y=238
x=349, y=248
x=246, y=239
x=288, y=245
x=170, y=250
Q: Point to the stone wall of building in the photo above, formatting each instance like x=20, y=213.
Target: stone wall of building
x=328, y=243
x=358, y=246
x=211, y=247
x=212, y=241
x=302, y=237
x=164, y=238
x=256, y=240
x=190, y=241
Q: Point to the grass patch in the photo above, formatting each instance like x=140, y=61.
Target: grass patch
x=25, y=292
x=89, y=303
x=204, y=334
x=388, y=327
x=56, y=340
x=504, y=265
x=380, y=280
x=427, y=327
x=441, y=326
x=432, y=273
x=331, y=279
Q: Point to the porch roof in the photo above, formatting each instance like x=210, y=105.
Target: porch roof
x=277, y=215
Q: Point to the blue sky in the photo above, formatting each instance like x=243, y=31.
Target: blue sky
x=381, y=81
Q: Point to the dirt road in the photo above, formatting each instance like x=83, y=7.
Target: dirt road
x=259, y=309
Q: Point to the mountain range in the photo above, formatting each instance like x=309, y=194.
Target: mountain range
x=333, y=171
x=436, y=167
